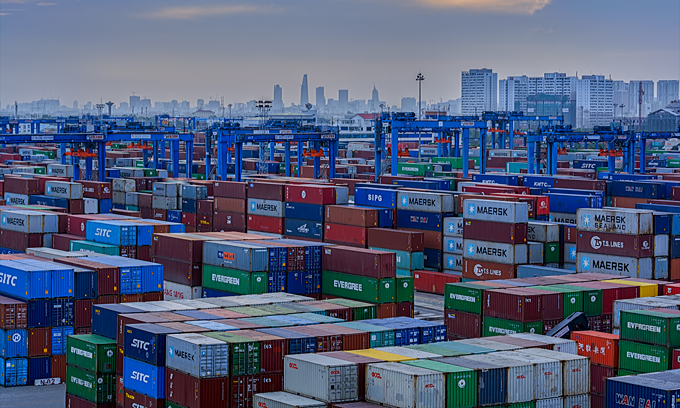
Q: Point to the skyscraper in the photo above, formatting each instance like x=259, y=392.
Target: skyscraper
x=666, y=92
x=320, y=98
x=304, y=92
x=134, y=103
x=343, y=99
x=479, y=91
x=594, y=101
x=277, y=103
x=634, y=96
x=375, y=100
x=512, y=93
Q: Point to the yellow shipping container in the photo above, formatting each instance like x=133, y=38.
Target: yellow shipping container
x=646, y=289
x=381, y=355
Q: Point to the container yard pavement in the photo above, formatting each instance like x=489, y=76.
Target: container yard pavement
x=49, y=396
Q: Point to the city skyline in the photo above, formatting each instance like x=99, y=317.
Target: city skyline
x=150, y=48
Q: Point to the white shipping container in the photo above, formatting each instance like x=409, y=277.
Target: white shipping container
x=16, y=199
x=172, y=291
x=575, y=370
x=577, y=401
x=498, y=211
x=169, y=305
x=614, y=265
x=118, y=197
x=661, y=245
x=563, y=218
x=164, y=203
x=425, y=202
x=90, y=206
x=166, y=189
x=284, y=400
x=547, y=374
x=495, y=252
x=268, y=208
x=50, y=253
x=550, y=403
x=453, y=227
x=617, y=221
x=543, y=231
x=324, y=378
x=61, y=170
x=558, y=344
x=342, y=195
x=64, y=189
x=404, y=386
x=520, y=381
x=197, y=355
x=124, y=185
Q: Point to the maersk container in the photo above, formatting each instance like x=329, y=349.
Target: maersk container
x=543, y=232
x=490, y=378
x=95, y=387
x=614, y=265
x=405, y=386
x=575, y=370
x=302, y=211
x=285, y=400
x=495, y=252
x=267, y=208
x=234, y=281
x=659, y=391
x=375, y=197
x=62, y=312
x=25, y=281
x=29, y=222
x=111, y=232
x=453, y=227
x=237, y=255
x=59, y=339
x=453, y=245
x=643, y=358
x=562, y=218
x=498, y=211
x=426, y=202
x=359, y=287
x=197, y=355
x=652, y=327
x=92, y=352
x=144, y=378
x=460, y=382
x=63, y=189
x=617, y=221
x=520, y=380
x=13, y=372
x=13, y=343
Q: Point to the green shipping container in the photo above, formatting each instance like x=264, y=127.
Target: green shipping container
x=39, y=170
x=244, y=353
x=95, y=247
x=198, y=176
x=139, y=164
x=646, y=326
x=432, y=348
x=414, y=169
x=379, y=336
x=276, y=310
x=573, y=299
x=455, y=162
x=592, y=299
x=250, y=311
x=150, y=173
x=528, y=404
x=410, y=261
x=465, y=348
x=515, y=167
x=464, y=297
x=360, y=310
x=673, y=163
x=95, y=387
x=92, y=352
x=234, y=280
x=132, y=208
x=501, y=327
x=643, y=358
x=357, y=287
x=169, y=404
x=551, y=253
x=461, y=383
x=623, y=373
x=404, y=289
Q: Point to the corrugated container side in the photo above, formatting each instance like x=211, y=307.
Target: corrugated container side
x=144, y=378
x=324, y=378
x=404, y=386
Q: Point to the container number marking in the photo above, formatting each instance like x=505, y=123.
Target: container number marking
x=293, y=366
x=375, y=375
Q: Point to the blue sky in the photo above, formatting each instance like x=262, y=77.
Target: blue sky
x=172, y=49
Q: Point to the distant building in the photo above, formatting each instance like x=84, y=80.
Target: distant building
x=620, y=97
x=134, y=103
x=277, y=103
x=343, y=100
x=553, y=83
x=304, y=92
x=664, y=120
x=185, y=106
x=123, y=106
x=666, y=92
x=320, y=98
x=552, y=105
x=200, y=104
x=375, y=100
x=634, y=96
x=479, y=91
x=594, y=101
x=214, y=105
x=203, y=113
x=75, y=104
x=512, y=93
x=409, y=105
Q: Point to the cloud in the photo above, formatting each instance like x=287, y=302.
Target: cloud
x=501, y=6
x=192, y=12
x=549, y=30
x=46, y=4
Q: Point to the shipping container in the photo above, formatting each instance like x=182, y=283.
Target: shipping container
x=462, y=325
x=103, y=316
x=498, y=327
x=643, y=358
x=635, y=246
x=192, y=392
x=482, y=270
x=285, y=400
x=94, y=387
x=13, y=343
x=614, y=265
x=513, y=304
x=508, y=233
x=134, y=399
x=418, y=387
x=324, y=378
x=495, y=252
x=520, y=375
x=651, y=327
x=92, y=352
x=144, y=378
x=377, y=264
x=425, y=202
x=146, y=342
x=629, y=222
x=498, y=211
x=631, y=390
x=13, y=314
x=359, y=287
x=244, y=353
x=13, y=372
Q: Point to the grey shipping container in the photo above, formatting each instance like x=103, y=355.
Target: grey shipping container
x=535, y=252
x=558, y=344
x=64, y=189
x=285, y=400
x=164, y=203
x=575, y=370
x=425, y=202
x=658, y=302
x=405, y=386
x=453, y=227
x=617, y=221
x=543, y=232
x=563, y=218
x=268, y=208
x=614, y=265
x=166, y=189
x=495, y=252
x=661, y=245
x=197, y=355
x=237, y=255
x=194, y=192
x=324, y=378
x=499, y=211
x=548, y=380
x=124, y=185
x=520, y=380
x=30, y=222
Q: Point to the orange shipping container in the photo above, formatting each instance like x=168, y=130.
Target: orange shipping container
x=602, y=348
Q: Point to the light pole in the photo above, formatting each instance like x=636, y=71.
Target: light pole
x=420, y=78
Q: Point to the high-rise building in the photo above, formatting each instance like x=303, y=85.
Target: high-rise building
x=620, y=91
x=200, y=104
x=134, y=103
x=375, y=100
x=408, y=104
x=277, y=103
x=320, y=98
x=594, y=101
x=479, y=91
x=304, y=92
x=75, y=104
x=634, y=96
x=512, y=93
x=343, y=99
x=666, y=92
x=553, y=83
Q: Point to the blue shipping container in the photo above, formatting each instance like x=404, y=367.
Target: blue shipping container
x=375, y=197
x=146, y=342
x=39, y=313
x=144, y=378
x=432, y=258
x=103, y=315
x=59, y=336
x=39, y=368
x=47, y=200
x=298, y=343
x=563, y=203
x=174, y=216
x=63, y=312
x=385, y=216
x=589, y=164
x=189, y=206
x=420, y=220
x=673, y=209
x=404, y=335
x=444, y=185
x=303, y=229
x=506, y=179
x=13, y=343
x=111, y=232
x=85, y=284
x=425, y=185
x=24, y=281
x=637, y=189
x=150, y=274
x=105, y=205
x=276, y=281
x=642, y=391
x=540, y=182
x=211, y=293
x=302, y=211
x=13, y=372
x=569, y=191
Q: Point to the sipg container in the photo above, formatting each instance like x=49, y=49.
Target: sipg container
x=324, y=378
x=405, y=386
x=285, y=400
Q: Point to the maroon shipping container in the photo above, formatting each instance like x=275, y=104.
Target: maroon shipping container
x=39, y=342
x=462, y=325
x=405, y=309
x=431, y=239
x=131, y=298
x=153, y=297
x=120, y=394
x=62, y=242
x=580, y=184
x=495, y=231
x=204, y=222
x=206, y=207
x=158, y=214
x=610, y=293
x=570, y=234
x=595, y=323
x=59, y=367
x=19, y=241
x=271, y=350
x=361, y=361
x=13, y=314
x=271, y=382
x=134, y=399
x=76, y=224
x=675, y=363
x=96, y=189
x=267, y=191
x=230, y=189
x=76, y=207
x=242, y=390
x=433, y=282
x=189, y=219
x=482, y=270
x=184, y=248
x=386, y=310
x=144, y=200
x=400, y=240
x=310, y=194
x=513, y=304
x=345, y=235
x=180, y=272
x=325, y=341
x=108, y=277
x=636, y=246
x=74, y=402
x=333, y=310
x=359, y=261
x=350, y=215
x=192, y=392
x=107, y=299
x=83, y=313
x=261, y=223
x=128, y=252
x=551, y=302
x=232, y=205
x=352, y=339
x=21, y=185
x=229, y=221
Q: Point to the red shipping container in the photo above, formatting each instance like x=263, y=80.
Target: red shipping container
x=205, y=207
x=242, y=388
x=20, y=241
x=310, y=194
x=598, y=377
x=231, y=205
x=462, y=325
x=488, y=189
x=495, y=231
x=552, y=303
x=184, y=273
x=540, y=205
x=570, y=234
x=262, y=223
x=229, y=221
x=189, y=219
x=513, y=304
x=39, y=342
x=350, y=215
x=205, y=221
x=345, y=235
x=596, y=401
x=74, y=402
x=107, y=299
x=152, y=297
x=134, y=399
x=332, y=310
x=405, y=309
x=77, y=224
x=400, y=240
x=96, y=189
x=271, y=350
x=431, y=239
x=601, y=348
x=59, y=367
x=271, y=382
x=131, y=298
x=13, y=314
x=267, y=191
x=161, y=215
x=433, y=282
x=360, y=261
x=482, y=270
x=192, y=392
x=120, y=394
x=83, y=313
x=21, y=185
x=636, y=246
x=325, y=341
x=580, y=184
x=675, y=364
x=385, y=311
x=671, y=289
x=107, y=276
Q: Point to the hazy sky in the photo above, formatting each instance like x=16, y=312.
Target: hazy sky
x=184, y=50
